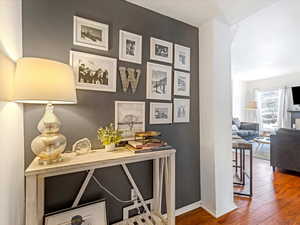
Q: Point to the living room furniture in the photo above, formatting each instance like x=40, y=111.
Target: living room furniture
x=285, y=152
x=261, y=141
x=245, y=130
x=163, y=168
x=240, y=147
x=43, y=81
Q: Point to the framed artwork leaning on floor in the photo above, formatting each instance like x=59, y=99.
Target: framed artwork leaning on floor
x=90, y=214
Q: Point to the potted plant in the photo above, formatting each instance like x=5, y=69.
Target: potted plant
x=109, y=136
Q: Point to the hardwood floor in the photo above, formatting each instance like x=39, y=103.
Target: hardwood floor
x=276, y=201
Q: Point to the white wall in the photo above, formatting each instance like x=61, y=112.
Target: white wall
x=288, y=80
x=215, y=118
x=11, y=124
x=239, y=89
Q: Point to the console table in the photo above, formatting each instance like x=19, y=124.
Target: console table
x=163, y=168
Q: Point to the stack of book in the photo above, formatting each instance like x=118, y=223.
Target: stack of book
x=148, y=145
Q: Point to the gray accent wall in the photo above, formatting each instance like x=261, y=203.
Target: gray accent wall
x=48, y=33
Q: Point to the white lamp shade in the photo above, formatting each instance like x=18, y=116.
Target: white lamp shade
x=44, y=81
x=7, y=71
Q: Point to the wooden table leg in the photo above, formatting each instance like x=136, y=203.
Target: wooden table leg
x=236, y=161
x=134, y=186
x=31, y=201
x=41, y=199
x=83, y=188
x=170, y=188
x=241, y=165
x=251, y=172
x=156, y=185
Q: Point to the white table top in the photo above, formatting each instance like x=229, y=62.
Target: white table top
x=95, y=159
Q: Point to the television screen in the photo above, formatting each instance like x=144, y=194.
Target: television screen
x=296, y=95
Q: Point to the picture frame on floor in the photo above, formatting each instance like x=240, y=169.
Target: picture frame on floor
x=182, y=57
x=181, y=110
x=181, y=83
x=89, y=214
x=94, y=72
x=160, y=113
x=130, y=118
x=90, y=34
x=161, y=50
x=159, y=81
x=130, y=47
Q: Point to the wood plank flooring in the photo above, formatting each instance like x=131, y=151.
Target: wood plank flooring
x=276, y=201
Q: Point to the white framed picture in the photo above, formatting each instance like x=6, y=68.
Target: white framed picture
x=130, y=47
x=159, y=81
x=182, y=57
x=91, y=34
x=161, y=50
x=129, y=117
x=160, y=113
x=181, y=110
x=94, y=72
x=93, y=214
x=181, y=83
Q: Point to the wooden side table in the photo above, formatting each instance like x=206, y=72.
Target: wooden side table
x=163, y=168
x=241, y=146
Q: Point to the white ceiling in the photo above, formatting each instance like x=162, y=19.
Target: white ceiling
x=196, y=12
x=267, y=44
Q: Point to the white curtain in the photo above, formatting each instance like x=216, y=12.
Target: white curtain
x=286, y=104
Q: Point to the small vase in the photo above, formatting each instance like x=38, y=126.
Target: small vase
x=110, y=147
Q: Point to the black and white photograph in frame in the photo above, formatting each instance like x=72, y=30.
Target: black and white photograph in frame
x=130, y=47
x=91, y=34
x=93, y=214
x=182, y=57
x=160, y=113
x=130, y=117
x=159, y=81
x=161, y=50
x=181, y=83
x=94, y=72
x=181, y=110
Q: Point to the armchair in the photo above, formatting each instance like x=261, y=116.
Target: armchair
x=285, y=149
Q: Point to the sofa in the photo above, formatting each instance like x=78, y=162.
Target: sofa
x=285, y=149
x=246, y=130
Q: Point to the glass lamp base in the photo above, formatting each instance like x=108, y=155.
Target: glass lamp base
x=50, y=144
x=46, y=162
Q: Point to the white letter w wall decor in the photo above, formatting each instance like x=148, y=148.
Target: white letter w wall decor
x=129, y=76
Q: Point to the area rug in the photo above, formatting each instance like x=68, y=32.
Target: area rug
x=262, y=153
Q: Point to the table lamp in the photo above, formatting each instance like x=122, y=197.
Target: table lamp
x=43, y=81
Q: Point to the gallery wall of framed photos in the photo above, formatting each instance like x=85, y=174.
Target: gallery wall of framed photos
x=105, y=41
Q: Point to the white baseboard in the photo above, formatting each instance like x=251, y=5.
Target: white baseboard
x=194, y=206
x=211, y=212
x=188, y=208
x=227, y=210
x=218, y=214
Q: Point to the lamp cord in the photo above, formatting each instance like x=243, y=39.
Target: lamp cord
x=110, y=193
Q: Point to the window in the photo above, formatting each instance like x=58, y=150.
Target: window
x=269, y=107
